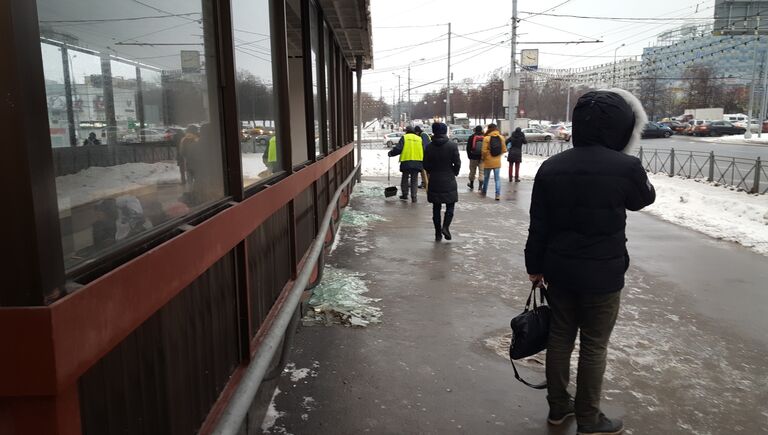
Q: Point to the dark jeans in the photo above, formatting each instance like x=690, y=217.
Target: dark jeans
x=410, y=181
x=436, y=207
x=593, y=315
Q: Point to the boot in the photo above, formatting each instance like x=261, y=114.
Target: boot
x=438, y=230
x=471, y=185
x=446, y=227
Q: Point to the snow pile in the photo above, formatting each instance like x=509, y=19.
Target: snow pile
x=98, y=182
x=253, y=166
x=716, y=211
x=339, y=299
x=739, y=139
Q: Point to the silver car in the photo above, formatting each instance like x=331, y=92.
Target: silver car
x=391, y=139
x=461, y=135
x=536, y=135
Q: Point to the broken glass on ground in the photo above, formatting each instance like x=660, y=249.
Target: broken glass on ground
x=357, y=218
x=339, y=299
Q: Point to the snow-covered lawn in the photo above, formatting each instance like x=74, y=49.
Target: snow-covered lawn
x=739, y=139
x=97, y=182
x=713, y=210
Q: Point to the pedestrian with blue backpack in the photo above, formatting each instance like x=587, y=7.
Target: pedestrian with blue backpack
x=493, y=147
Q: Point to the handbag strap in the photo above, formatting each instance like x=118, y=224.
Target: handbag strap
x=532, y=295
x=540, y=386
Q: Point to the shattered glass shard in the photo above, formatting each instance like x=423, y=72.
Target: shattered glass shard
x=339, y=299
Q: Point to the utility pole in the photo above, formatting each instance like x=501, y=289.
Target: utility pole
x=410, y=107
x=765, y=97
x=748, y=133
x=568, y=102
x=514, y=86
x=448, y=117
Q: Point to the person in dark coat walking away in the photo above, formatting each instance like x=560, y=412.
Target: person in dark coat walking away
x=442, y=163
x=515, y=155
x=411, y=152
x=425, y=140
x=577, y=245
x=475, y=155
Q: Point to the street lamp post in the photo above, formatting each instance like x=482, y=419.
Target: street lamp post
x=613, y=80
x=410, y=105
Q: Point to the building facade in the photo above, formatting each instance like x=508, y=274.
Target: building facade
x=169, y=165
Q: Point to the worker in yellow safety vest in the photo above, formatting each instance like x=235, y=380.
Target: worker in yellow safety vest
x=411, y=152
x=270, y=156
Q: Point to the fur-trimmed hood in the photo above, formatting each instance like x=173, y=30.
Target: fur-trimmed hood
x=613, y=118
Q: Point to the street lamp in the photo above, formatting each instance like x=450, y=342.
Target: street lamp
x=613, y=81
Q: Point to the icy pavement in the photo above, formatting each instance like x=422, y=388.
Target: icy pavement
x=687, y=355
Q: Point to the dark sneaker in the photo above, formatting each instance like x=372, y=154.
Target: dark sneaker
x=404, y=198
x=438, y=236
x=471, y=186
x=446, y=233
x=604, y=426
x=413, y=199
x=558, y=418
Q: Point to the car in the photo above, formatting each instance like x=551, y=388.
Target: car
x=653, y=129
x=561, y=132
x=676, y=126
x=391, y=139
x=719, y=128
x=536, y=135
x=691, y=126
x=461, y=134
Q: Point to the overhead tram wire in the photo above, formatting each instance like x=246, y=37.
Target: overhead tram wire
x=619, y=19
x=546, y=10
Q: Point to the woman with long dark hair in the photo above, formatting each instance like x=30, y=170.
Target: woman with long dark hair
x=442, y=163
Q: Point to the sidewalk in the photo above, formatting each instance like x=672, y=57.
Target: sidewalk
x=687, y=355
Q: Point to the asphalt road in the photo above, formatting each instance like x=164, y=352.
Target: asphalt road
x=687, y=143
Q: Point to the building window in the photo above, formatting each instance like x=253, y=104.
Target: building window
x=134, y=117
x=317, y=68
x=256, y=99
x=327, y=58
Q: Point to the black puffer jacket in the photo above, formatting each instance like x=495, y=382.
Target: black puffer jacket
x=515, y=146
x=442, y=162
x=580, y=197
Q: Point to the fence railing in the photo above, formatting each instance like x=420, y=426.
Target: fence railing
x=750, y=175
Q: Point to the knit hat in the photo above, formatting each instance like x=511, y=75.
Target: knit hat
x=439, y=128
x=479, y=129
x=417, y=129
x=613, y=118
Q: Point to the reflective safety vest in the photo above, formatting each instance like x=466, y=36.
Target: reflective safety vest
x=272, y=150
x=413, y=148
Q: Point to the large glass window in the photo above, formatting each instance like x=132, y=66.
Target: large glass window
x=328, y=56
x=134, y=116
x=317, y=68
x=296, y=91
x=256, y=100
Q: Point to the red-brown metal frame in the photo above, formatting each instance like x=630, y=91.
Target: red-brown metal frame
x=40, y=360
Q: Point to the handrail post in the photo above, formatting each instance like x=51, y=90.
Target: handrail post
x=758, y=169
x=711, y=166
x=671, y=162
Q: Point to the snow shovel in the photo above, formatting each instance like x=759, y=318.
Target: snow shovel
x=391, y=190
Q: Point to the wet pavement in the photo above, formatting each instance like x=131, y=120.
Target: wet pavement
x=688, y=354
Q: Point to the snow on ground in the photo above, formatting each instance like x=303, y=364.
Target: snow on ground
x=739, y=139
x=253, y=165
x=716, y=211
x=98, y=182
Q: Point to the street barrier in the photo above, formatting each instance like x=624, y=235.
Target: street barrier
x=749, y=175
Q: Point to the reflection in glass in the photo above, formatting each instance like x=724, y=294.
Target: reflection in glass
x=133, y=113
x=315, y=52
x=328, y=97
x=260, y=147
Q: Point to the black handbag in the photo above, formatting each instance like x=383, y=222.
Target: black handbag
x=530, y=331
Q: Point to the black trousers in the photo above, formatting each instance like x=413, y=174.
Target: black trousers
x=593, y=317
x=437, y=208
x=410, y=180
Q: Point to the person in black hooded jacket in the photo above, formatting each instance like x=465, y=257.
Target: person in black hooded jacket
x=515, y=155
x=577, y=245
x=442, y=163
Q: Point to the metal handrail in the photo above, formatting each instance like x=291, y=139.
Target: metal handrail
x=237, y=409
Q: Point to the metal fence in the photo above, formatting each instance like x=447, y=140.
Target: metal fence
x=749, y=175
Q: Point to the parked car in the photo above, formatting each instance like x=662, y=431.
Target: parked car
x=536, y=135
x=675, y=126
x=691, y=126
x=561, y=132
x=461, y=135
x=719, y=128
x=653, y=129
x=391, y=139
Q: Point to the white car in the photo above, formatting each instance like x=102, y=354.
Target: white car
x=536, y=135
x=391, y=139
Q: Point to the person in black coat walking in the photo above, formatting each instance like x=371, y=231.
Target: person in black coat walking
x=515, y=155
x=577, y=245
x=442, y=163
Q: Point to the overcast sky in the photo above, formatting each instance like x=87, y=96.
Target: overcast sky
x=405, y=31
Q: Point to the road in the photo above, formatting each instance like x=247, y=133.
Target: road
x=687, y=355
x=687, y=143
